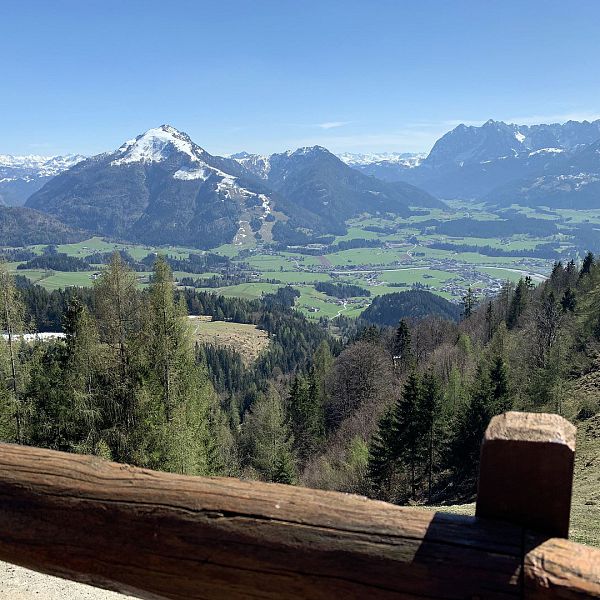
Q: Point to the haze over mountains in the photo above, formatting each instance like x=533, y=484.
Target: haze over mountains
x=162, y=188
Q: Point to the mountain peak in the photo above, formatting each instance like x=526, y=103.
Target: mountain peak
x=308, y=150
x=157, y=144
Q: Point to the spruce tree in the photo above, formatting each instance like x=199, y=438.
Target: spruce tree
x=469, y=302
x=381, y=457
x=266, y=436
x=429, y=412
x=407, y=441
x=307, y=415
x=402, y=346
x=517, y=304
x=587, y=264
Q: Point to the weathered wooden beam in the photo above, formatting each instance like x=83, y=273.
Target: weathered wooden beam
x=159, y=535
x=526, y=471
x=560, y=570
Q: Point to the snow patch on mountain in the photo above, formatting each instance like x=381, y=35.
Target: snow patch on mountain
x=547, y=151
x=157, y=145
x=190, y=175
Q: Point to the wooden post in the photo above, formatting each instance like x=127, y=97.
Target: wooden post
x=526, y=472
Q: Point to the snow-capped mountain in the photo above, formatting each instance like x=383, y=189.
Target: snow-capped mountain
x=389, y=166
x=162, y=188
x=405, y=159
x=158, y=188
x=497, y=158
x=20, y=176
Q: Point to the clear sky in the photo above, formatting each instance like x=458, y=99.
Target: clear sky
x=268, y=75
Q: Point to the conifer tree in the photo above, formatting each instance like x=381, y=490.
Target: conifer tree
x=518, y=304
x=568, y=301
x=177, y=411
x=266, y=437
x=11, y=368
x=83, y=370
x=587, y=264
x=119, y=317
x=381, y=458
x=402, y=346
x=407, y=442
x=429, y=411
x=469, y=301
x=307, y=415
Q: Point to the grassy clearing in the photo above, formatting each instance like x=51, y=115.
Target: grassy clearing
x=585, y=507
x=247, y=340
x=249, y=291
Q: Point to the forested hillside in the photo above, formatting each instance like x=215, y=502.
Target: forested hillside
x=396, y=413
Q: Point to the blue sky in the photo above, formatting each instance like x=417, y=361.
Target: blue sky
x=268, y=75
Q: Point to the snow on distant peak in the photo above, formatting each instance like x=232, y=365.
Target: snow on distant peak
x=43, y=165
x=547, y=151
x=156, y=145
x=257, y=164
x=306, y=150
x=405, y=159
x=520, y=137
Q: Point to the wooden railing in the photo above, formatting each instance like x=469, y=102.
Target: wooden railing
x=158, y=535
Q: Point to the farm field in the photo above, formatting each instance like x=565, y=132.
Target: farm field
x=404, y=258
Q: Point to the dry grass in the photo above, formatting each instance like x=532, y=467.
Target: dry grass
x=247, y=340
x=585, y=507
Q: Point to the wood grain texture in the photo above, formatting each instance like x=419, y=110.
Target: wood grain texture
x=561, y=570
x=159, y=535
x=526, y=471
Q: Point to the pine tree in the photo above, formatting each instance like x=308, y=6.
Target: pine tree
x=587, y=264
x=13, y=376
x=407, y=442
x=470, y=427
x=517, y=304
x=307, y=415
x=285, y=471
x=469, y=302
x=429, y=412
x=176, y=423
x=83, y=370
x=381, y=459
x=402, y=346
x=119, y=317
x=499, y=391
x=568, y=301
x=489, y=321
x=265, y=435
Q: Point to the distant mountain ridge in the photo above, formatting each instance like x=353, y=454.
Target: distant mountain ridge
x=314, y=182
x=21, y=176
x=505, y=163
x=162, y=188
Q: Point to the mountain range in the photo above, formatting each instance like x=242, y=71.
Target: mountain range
x=501, y=163
x=162, y=188
x=21, y=176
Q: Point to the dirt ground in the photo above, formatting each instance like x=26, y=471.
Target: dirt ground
x=17, y=583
